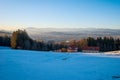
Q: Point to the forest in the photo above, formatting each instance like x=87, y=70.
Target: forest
x=21, y=40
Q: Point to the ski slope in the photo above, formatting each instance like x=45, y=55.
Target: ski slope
x=36, y=65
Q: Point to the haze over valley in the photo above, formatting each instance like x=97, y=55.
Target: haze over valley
x=62, y=34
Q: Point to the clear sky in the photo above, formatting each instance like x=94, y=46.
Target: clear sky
x=60, y=13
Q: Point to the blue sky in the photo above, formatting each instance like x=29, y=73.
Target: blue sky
x=60, y=13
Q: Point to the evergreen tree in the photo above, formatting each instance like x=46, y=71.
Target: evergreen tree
x=19, y=38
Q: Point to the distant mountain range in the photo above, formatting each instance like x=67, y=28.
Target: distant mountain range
x=62, y=34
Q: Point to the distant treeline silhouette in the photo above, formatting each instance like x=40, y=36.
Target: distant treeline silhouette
x=21, y=40
x=5, y=40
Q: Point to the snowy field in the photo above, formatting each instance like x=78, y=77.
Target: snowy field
x=36, y=65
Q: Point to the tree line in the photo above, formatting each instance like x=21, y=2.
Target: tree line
x=5, y=40
x=21, y=40
x=104, y=43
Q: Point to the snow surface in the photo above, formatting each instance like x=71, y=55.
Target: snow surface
x=36, y=65
x=113, y=52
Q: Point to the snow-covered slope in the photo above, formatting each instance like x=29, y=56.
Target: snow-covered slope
x=35, y=65
x=113, y=52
